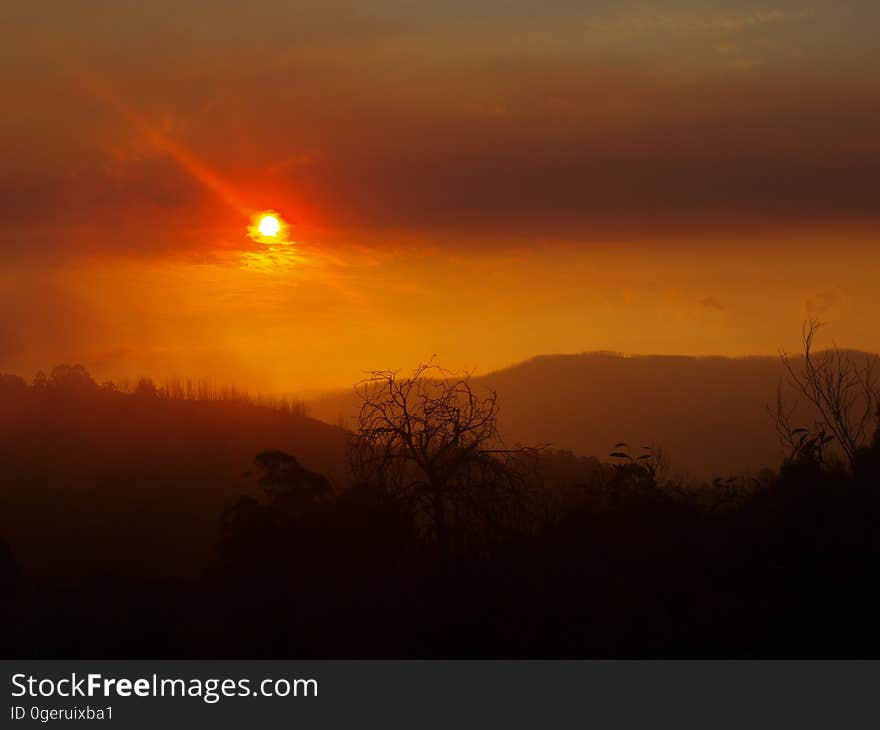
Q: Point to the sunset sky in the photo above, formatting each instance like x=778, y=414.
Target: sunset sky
x=481, y=180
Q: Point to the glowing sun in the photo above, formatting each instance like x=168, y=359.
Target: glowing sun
x=269, y=226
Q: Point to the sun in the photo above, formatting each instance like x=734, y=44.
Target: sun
x=269, y=226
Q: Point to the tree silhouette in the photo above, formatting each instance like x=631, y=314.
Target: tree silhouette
x=12, y=384
x=71, y=379
x=429, y=439
x=146, y=388
x=284, y=477
x=843, y=390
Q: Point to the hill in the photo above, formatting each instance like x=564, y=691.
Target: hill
x=106, y=481
x=708, y=414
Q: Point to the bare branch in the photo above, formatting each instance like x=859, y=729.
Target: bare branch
x=842, y=389
x=433, y=441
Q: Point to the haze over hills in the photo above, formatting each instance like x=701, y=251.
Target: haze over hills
x=109, y=472
x=92, y=478
x=708, y=414
x=122, y=510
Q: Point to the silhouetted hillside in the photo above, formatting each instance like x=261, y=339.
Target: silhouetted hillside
x=128, y=526
x=94, y=479
x=707, y=413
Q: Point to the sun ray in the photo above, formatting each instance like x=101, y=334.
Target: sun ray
x=189, y=161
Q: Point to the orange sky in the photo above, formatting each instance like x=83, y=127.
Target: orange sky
x=485, y=181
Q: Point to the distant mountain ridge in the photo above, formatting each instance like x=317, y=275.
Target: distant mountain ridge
x=708, y=413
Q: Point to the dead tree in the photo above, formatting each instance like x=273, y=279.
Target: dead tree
x=843, y=390
x=433, y=442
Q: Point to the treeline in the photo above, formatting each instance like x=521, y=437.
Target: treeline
x=451, y=543
x=76, y=380
x=441, y=540
x=623, y=565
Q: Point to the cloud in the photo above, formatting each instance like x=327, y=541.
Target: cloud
x=711, y=303
x=622, y=155
x=444, y=132
x=821, y=302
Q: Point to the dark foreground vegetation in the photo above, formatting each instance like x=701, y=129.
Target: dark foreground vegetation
x=434, y=540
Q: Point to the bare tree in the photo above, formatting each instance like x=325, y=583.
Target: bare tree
x=432, y=441
x=840, y=386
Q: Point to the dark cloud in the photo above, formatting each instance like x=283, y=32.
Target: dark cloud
x=419, y=121
x=724, y=157
x=821, y=302
x=711, y=303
